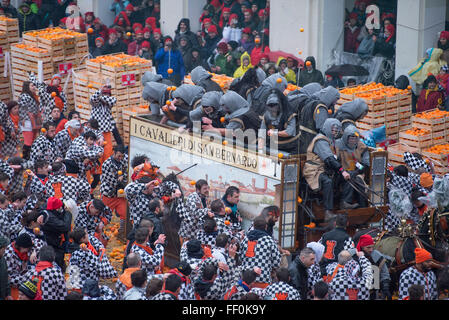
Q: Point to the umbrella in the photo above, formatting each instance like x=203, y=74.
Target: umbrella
x=274, y=56
x=347, y=70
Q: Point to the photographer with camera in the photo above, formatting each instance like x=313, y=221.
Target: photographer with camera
x=114, y=176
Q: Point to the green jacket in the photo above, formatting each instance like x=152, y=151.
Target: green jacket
x=227, y=68
x=5, y=289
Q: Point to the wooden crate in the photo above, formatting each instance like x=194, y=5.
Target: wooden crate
x=440, y=161
x=10, y=26
x=376, y=104
x=439, y=124
x=396, y=152
x=420, y=142
x=24, y=59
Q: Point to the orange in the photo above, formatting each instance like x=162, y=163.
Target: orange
x=90, y=30
x=227, y=222
x=299, y=200
x=36, y=231
x=170, y=71
x=121, y=191
x=192, y=182
x=43, y=130
x=228, y=210
x=168, y=102
x=301, y=30
x=222, y=119
x=120, y=172
x=280, y=155
x=278, y=80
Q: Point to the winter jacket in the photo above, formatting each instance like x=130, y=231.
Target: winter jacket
x=27, y=21
x=306, y=77
x=431, y=64
x=116, y=47
x=299, y=277
x=57, y=227
x=240, y=71
x=192, y=38
x=169, y=60
x=201, y=77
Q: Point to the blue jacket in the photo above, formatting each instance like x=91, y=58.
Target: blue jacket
x=118, y=7
x=176, y=63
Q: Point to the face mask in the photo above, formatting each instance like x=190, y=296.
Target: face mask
x=352, y=142
x=273, y=110
x=213, y=114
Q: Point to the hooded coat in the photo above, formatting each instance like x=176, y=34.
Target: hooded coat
x=201, y=77
x=27, y=21
x=306, y=77
x=357, y=153
x=171, y=59
x=240, y=71
x=155, y=92
x=209, y=99
x=289, y=74
x=299, y=98
x=351, y=111
x=188, y=33
x=431, y=64
x=260, y=95
x=239, y=115
x=191, y=95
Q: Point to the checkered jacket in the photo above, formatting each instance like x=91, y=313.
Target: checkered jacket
x=190, y=217
x=79, y=151
x=63, y=142
x=223, y=281
x=37, y=187
x=138, y=201
x=46, y=100
x=106, y=293
x=52, y=282
x=44, y=149
x=101, y=110
x=84, y=220
x=16, y=182
x=403, y=183
x=149, y=261
x=9, y=225
x=15, y=216
x=84, y=264
x=413, y=276
x=109, y=176
x=71, y=188
x=9, y=145
x=281, y=291
x=207, y=239
x=27, y=105
x=414, y=163
x=340, y=283
x=85, y=129
x=314, y=275
x=164, y=296
x=4, y=167
x=38, y=241
x=18, y=271
x=266, y=256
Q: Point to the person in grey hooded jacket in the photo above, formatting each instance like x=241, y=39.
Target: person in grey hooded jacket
x=185, y=98
x=322, y=168
x=201, y=77
x=258, y=99
x=299, y=98
x=209, y=112
x=354, y=157
x=238, y=115
x=351, y=111
x=156, y=94
x=315, y=113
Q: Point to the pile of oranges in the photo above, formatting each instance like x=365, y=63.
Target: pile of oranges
x=30, y=48
x=119, y=60
x=118, y=253
x=54, y=33
x=417, y=132
x=434, y=114
x=440, y=149
x=373, y=90
x=3, y=18
x=221, y=79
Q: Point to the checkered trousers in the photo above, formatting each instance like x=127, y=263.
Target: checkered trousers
x=413, y=276
x=53, y=283
x=266, y=256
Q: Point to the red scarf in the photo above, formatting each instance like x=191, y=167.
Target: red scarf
x=91, y=248
x=146, y=248
x=42, y=265
x=184, y=279
x=15, y=119
x=23, y=256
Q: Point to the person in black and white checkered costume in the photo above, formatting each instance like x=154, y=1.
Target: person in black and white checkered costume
x=44, y=147
x=214, y=278
x=38, y=179
x=151, y=259
x=244, y=285
x=102, y=103
x=67, y=187
x=10, y=226
x=420, y=273
x=51, y=278
x=93, y=216
x=12, y=133
x=196, y=206
x=170, y=288
x=92, y=291
x=110, y=174
x=17, y=256
x=139, y=195
x=350, y=279
x=281, y=290
x=416, y=163
x=258, y=249
x=47, y=101
x=87, y=260
x=84, y=151
x=64, y=138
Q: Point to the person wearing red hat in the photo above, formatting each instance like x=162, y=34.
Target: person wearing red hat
x=136, y=45
x=443, y=44
x=385, y=44
x=150, y=22
x=352, y=31
x=147, y=34
x=261, y=47
x=224, y=17
x=264, y=20
x=114, y=44
x=122, y=20
x=210, y=42
x=145, y=50
x=366, y=244
x=156, y=40
x=420, y=273
x=89, y=18
x=232, y=32
x=56, y=228
x=98, y=50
